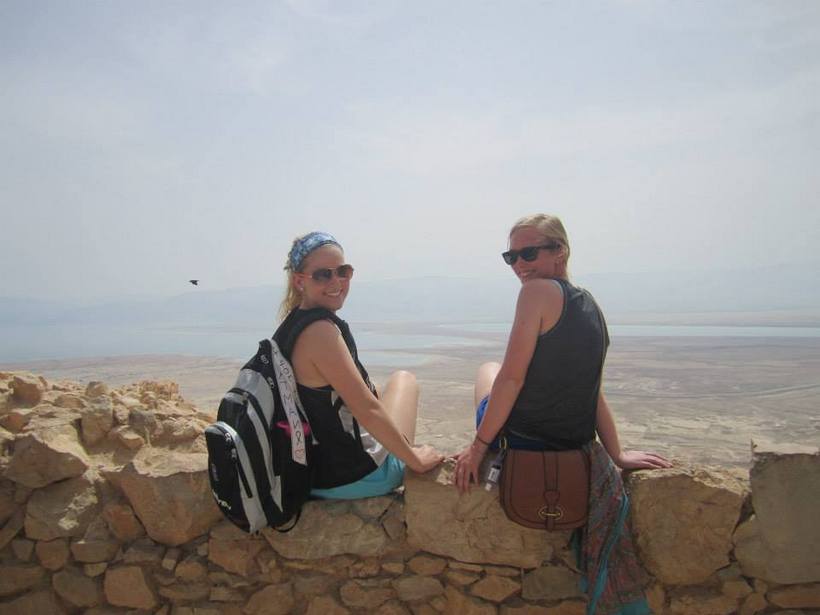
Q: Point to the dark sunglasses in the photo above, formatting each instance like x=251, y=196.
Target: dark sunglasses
x=345, y=272
x=529, y=254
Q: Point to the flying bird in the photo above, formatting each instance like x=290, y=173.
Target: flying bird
x=194, y=282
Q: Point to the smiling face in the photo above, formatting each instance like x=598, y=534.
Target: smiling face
x=329, y=294
x=548, y=263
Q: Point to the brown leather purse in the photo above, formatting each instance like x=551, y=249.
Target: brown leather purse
x=547, y=490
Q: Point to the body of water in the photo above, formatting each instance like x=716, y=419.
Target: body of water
x=30, y=343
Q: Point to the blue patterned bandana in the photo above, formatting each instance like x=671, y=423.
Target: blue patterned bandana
x=307, y=244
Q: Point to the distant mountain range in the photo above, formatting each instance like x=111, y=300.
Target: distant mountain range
x=440, y=299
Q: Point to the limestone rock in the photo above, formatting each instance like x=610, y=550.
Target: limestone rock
x=15, y=420
x=170, y=493
x=393, y=567
x=95, y=570
x=127, y=586
x=47, y=454
x=122, y=522
x=568, y=607
x=77, y=589
x=234, y=550
x=325, y=605
x=15, y=578
x=683, y=521
x=95, y=389
x=426, y=565
x=461, y=579
x=364, y=594
x=69, y=400
x=465, y=605
x=96, y=545
x=225, y=594
x=394, y=607
x=753, y=604
x=779, y=543
x=61, y=510
x=27, y=389
x=7, y=503
x=52, y=554
x=96, y=421
x=192, y=568
x=495, y=588
x=313, y=584
x=143, y=551
x=328, y=528
x=272, y=600
x=702, y=602
x=22, y=548
x=11, y=528
x=184, y=592
x=417, y=588
x=471, y=527
x=551, y=583
x=797, y=596
x=33, y=603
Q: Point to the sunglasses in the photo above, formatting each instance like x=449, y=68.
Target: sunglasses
x=529, y=254
x=323, y=276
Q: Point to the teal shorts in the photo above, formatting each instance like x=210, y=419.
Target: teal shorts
x=380, y=481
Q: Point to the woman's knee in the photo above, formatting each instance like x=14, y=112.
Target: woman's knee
x=404, y=378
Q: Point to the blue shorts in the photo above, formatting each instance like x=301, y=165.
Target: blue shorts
x=380, y=481
x=513, y=441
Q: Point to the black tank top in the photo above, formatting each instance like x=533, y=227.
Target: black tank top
x=346, y=451
x=559, y=399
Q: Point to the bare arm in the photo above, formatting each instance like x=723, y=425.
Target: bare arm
x=608, y=434
x=539, y=306
x=323, y=344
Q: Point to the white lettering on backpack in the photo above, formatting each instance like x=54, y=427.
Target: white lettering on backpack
x=291, y=403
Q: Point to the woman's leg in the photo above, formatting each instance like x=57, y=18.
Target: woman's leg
x=401, y=400
x=484, y=381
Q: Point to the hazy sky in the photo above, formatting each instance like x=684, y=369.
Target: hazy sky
x=145, y=143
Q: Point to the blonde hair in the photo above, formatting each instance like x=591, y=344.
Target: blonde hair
x=551, y=228
x=293, y=296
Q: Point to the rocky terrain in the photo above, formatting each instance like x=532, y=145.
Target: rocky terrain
x=105, y=508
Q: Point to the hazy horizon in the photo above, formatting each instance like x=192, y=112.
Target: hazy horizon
x=147, y=144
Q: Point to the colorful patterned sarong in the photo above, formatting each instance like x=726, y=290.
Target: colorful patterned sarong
x=613, y=576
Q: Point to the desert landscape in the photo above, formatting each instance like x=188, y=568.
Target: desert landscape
x=696, y=399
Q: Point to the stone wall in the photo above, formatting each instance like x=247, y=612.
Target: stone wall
x=105, y=508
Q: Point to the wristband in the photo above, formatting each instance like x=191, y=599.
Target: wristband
x=477, y=437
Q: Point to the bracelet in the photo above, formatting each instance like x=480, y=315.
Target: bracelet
x=477, y=437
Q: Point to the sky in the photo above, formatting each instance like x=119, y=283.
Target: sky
x=146, y=143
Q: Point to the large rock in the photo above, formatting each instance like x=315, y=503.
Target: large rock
x=76, y=588
x=683, y=520
x=234, y=550
x=61, y=510
x=47, y=451
x=328, y=528
x=33, y=603
x=170, y=493
x=15, y=578
x=127, y=586
x=96, y=545
x=471, y=527
x=97, y=420
x=272, y=600
x=779, y=543
x=27, y=389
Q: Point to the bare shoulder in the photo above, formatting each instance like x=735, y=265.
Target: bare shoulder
x=319, y=334
x=541, y=290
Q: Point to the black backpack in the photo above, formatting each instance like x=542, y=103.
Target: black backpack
x=260, y=448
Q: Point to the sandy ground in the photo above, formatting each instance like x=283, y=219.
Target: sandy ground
x=694, y=399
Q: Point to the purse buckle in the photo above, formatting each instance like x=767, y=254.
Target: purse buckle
x=544, y=513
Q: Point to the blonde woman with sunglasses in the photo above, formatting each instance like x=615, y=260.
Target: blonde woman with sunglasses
x=547, y=395
x=365, y=441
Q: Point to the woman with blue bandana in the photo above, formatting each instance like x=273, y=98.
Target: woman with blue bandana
x=365, y=441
